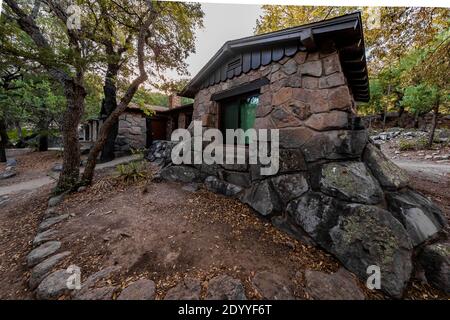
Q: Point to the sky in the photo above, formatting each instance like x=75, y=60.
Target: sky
x=222, y=22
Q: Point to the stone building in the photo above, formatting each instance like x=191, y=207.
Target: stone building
x=138, y=130
x=334, y=187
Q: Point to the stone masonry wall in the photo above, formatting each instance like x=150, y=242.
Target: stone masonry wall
x=132, y=132
x=334, y=188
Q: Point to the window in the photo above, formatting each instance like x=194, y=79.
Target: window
x=239, y=113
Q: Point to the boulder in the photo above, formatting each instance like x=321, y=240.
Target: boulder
x=47, y=223
x=188, y=289
x=292, y=160
x=7, y=174
x=181, y=174
x=241, y=179
x=336, y=286
x=290, y=186
x=272, y=286
x=103, y=293
x=58, y=167
x=350, y=181
x=54, y=201
x=262, y=198
x=94, y=279
x=41, y=270
x=435, y=260
x=367, y=235
x=316, y=214
x=333, y=145
x=142, y=289
x=216, y=185
x=286, y=224
x=388, y=174
x=44, y=237
x=224, y=287
x=43, y=251
x=11, y=162
x=53, y=286
x=421, y=218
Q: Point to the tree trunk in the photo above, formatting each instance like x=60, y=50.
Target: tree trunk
x=43, y=142
x=88, y=174
x=433, y=126
x=75, y=95
x=108, y=106
x=385, y=109
x=3, y=140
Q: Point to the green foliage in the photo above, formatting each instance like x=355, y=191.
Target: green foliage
x=132, y=172
x=413, y=144
x=419, y=99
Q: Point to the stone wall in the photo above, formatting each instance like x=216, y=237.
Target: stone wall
x=132, y=132
x=334, y=188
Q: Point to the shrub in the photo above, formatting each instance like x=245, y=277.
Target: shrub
x=404, y=145
x=132, y=172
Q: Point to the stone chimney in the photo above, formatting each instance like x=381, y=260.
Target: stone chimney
x=174, y=101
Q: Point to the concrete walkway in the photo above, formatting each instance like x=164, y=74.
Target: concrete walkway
x=37, y=183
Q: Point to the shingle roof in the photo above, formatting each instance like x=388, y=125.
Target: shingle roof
x=242, y=55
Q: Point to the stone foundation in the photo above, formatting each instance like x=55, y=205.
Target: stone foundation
x=334, y=187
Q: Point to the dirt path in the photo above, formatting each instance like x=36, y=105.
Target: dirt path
x=433, y=170
x=43, y=181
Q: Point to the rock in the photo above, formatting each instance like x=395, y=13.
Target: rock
x=11, y=162
x=4, y=199
x=103, y=293
x=47, y=223
x=93, y=279
x=43, y=251
x=188, y=289
x=292, y=160
x=44, y=237
x=350, y=181
x=290, y=186
x=50, y=212
x=388, y=174
x=286, y=224
x=41, y=270
x=218, y=186
x=241, y=179
x=435, y=260
x=316, y=214
x=53, y=286
x=224, y=287
x=7, y=174
x=428, y=157
x=421, y=218
x=191, y=187
x=272, y=286
x=58, y=167
x=367, y=235
x=54, y=201
x=335, y=144
x=337, y=286
x=142, y=289
x=181, y=174
x=262, y=198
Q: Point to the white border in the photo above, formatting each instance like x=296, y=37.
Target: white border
x=352, y=3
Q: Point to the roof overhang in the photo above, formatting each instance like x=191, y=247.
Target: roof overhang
x=345, y=32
